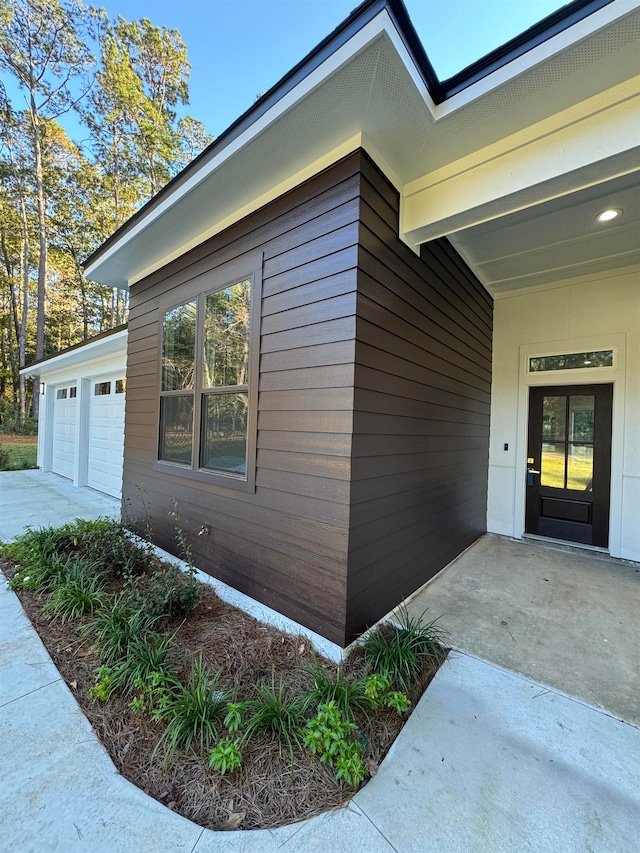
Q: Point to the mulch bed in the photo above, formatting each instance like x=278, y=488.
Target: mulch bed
x=269, y=789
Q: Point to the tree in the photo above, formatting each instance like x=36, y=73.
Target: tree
x=143, y=77
x=42, y=46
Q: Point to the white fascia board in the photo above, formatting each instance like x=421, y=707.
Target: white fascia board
x=360, y=41
x=584, y=145
x=294, y=180
x=559, y=43
x=92, y=351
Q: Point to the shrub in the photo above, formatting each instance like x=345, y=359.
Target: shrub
x=4, y=457
x=167, y=592
x=402, y=651
x=193, y=711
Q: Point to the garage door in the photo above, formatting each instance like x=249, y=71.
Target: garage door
x=64, y=431
x=106, y=435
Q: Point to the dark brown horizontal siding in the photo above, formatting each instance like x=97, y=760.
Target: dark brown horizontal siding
x=286, y=544
x=421, y=411
x=373, y=408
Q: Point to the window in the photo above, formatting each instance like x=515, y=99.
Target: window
x=101, y=389
x=73, y=391
x=61, y=394
x=571, y=361
x=207, y=420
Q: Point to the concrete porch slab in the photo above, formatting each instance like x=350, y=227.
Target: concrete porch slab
x=566, y=619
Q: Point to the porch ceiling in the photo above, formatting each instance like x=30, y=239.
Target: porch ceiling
x=558, y=239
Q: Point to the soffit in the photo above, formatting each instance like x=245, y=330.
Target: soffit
x=376, y=93
x=557, y=240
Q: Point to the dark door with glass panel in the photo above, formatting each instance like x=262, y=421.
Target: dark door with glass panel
x=569, y=463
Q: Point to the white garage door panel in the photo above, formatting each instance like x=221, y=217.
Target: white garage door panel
x=106, y=440
x=64, y=436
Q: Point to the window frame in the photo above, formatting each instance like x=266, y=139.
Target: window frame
x=197, y=289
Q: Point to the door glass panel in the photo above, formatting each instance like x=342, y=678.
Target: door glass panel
x=552, y=468
x=553, y=418
x=581, y=418
x=580, y=468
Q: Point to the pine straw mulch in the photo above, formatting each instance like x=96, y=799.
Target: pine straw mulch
x=268, y=790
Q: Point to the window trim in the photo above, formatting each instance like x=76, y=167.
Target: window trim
x=198, y=288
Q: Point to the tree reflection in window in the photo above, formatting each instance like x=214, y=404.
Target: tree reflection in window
x=179, y=348
x=226, y=336
x=571, y=361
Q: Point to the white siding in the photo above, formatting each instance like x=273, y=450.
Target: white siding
x=593, y=312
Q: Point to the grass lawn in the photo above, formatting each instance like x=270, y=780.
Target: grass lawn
x=21, y=452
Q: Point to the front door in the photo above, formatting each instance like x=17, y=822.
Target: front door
x=569, y=463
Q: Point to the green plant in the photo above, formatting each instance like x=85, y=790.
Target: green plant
x=349, y=696
x=145, y=664
x=376, y=686
x=226, y=757
x=233, y=718
x=181, y=539
x=330, y=737
x=80, y=592
x=402, y=651
x=103, y=688
x=114, y=627
x=272, y=711
x=4, y=458
x=167, y=592
x=193, y=711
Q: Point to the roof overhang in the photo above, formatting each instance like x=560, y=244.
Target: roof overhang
x=109, y=344
x=544, y=123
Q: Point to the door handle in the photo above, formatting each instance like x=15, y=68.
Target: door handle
x=532, y=471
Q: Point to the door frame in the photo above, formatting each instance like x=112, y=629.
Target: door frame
x=616, y=375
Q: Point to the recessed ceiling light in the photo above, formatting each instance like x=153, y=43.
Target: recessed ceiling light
x=608, y=214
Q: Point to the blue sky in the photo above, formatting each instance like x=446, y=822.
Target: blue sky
x=240, y=48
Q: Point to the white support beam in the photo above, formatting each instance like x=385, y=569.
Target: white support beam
x=589, y=143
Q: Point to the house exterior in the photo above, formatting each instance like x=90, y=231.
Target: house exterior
x=81, y=418
x=378, y=317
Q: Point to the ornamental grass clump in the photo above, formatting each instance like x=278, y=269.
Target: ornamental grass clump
x=403, y=651
x=275, y=712
x=79, y=591
x=193, y=711
x=114, y=626
x=348, y=695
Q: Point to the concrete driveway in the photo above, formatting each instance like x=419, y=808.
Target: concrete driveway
x=566, y=618
x=32, y=498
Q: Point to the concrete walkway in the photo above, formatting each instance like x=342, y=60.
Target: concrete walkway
x=488, y=761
